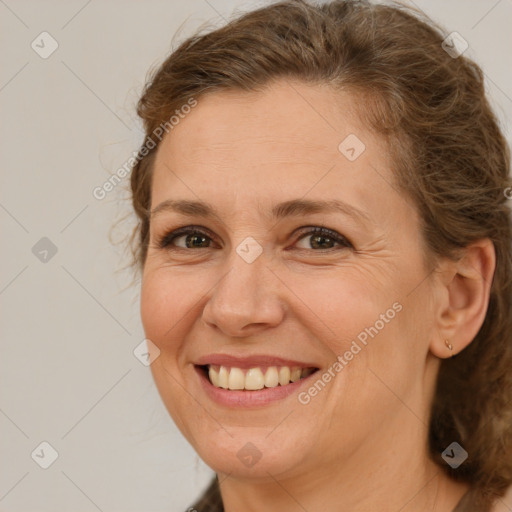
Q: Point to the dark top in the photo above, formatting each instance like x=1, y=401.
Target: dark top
x=211, y=501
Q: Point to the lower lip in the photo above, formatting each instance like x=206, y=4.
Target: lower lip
x=256, y=398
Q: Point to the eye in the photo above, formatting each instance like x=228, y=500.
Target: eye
x=323, y=238
x=192, y=236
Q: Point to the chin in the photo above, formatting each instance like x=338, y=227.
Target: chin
x=249, y=454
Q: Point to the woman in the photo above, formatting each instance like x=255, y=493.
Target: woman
x=325, y=244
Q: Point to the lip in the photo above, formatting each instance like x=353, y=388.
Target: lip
x=250, y=361
x=249, y=399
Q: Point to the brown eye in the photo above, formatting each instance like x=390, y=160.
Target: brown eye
x=321, y=238
x=193, y=238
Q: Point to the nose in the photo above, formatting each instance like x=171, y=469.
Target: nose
x=246, y=300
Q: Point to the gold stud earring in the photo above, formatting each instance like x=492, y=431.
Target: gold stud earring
x=448, y=345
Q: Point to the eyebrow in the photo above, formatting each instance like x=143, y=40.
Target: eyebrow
x=291, y=208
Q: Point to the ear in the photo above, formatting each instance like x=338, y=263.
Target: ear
x=462, y=297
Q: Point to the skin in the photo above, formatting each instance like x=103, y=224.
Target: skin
x=360, y=443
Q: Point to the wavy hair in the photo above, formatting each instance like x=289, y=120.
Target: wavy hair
x=450, y=158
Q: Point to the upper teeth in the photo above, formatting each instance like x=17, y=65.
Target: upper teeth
x=255, y=378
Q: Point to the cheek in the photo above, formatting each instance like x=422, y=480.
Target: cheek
x=341, y=307
x=154, y=303
x=372, y=330
x=165, y=301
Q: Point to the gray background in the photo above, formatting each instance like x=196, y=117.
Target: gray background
x=70, y=323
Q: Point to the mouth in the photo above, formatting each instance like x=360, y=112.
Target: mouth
x=252, y=381
x=233, y=378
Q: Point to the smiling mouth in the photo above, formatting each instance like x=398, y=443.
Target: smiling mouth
x=253, y=379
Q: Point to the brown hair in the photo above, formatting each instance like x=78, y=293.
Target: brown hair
x=450, y=158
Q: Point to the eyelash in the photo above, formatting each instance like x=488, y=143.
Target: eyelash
x=166, y=240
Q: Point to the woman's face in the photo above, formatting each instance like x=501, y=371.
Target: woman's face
x=255, y=290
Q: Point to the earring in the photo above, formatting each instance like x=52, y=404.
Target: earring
x=448, y=345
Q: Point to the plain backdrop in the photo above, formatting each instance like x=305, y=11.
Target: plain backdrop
x=69, y=313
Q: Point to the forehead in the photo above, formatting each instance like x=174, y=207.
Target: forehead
x=285, y=116
x=288, y=139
